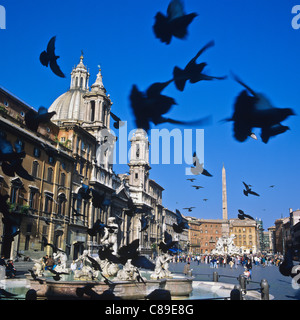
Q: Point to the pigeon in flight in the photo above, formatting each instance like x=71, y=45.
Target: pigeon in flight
x=197, y=187
x=168, y=243
x=7, y=152
x=144, y=223
x=190, y=209
x=181, y=224
x=54, y=248
x=198, y=167
x=174, y=24
x=15, y=165
x=150, y=106
x=254, y=110
x=33, y=119
x=193, y=71
x=242, y=215
x=118, y=122
x=57, y=275
x=48, y=57
x=248, y=190
x=192, y=179
x=131, y=251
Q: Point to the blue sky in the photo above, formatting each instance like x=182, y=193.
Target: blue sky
x=254, y=39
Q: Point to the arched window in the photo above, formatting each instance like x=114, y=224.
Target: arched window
x=61, y=203
x=81, y=82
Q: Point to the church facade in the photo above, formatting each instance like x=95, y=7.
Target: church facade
x=63, y=154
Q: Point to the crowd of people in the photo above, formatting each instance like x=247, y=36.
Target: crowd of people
x=247, y=261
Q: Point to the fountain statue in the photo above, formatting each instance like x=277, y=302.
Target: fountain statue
x=128, y=272
x=162, y=267
x=87, y=272
x=38, y=267
x=225, y=245
x=62, y=258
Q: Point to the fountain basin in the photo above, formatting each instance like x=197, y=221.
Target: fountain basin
x=127, y=290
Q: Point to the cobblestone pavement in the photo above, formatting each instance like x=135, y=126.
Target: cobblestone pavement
x=280, y=286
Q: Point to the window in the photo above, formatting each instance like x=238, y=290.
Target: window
x=62, y=179
x=36, y=152
x=48, y=203
x=92, y=110
x=14, y=193
x=61, y=204
x=35, y=169
x=136, y=175
x=33, y=197
x=49, y=175
x=50, y=159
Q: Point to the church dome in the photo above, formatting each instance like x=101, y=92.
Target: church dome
x=70, y=105
x=88, y=106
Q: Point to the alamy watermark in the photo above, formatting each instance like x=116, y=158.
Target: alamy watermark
x=296, y=18
x=2, y=17
x=158, y=146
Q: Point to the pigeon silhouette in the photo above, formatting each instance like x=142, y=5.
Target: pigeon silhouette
x=248, y=190
x=181, y=224
x=190, y=209
x=7, y=152
x=254, y=110
x=118, y=122
x=14, y=166
x=150, y=106
x=175, y=23
x=57, y=275
x=197, y=187
x=286, y=266
x=198, y=167
x=54, y=247
x=242, y=215
x=144, y=223
x=168, y=243
x=33, y=119
x=131, y=251
x=48, y=57
x=193, y=71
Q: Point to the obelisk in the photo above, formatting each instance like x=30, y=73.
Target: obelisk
x=225, y=224
x=224, y=194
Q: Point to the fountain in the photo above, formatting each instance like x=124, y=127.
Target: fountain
x=112, y=274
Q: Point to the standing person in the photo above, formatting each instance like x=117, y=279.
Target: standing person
x=248, y=266
x=187, y=268
x=10, y=269
x=73, y=266
x=2, y=261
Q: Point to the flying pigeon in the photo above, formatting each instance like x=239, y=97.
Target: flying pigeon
x=174, y=24
x=48, y=57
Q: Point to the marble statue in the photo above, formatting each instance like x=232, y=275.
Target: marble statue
x=62, y=257
x=162, y=267
x=38, y=267
x=225, y=245
x=129, y=272
x=87, y=272
x=109, y=269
